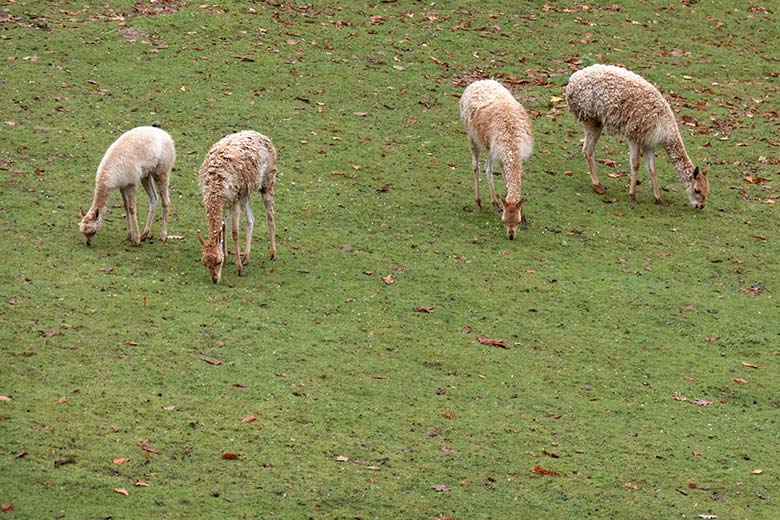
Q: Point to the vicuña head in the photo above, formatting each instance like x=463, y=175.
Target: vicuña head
x=90, y=222
x=512, y=215
x=214, y=254
x=698, y=188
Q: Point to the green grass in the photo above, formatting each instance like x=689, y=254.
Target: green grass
x=618, y=319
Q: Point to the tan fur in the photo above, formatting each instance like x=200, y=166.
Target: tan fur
x=141, y=155
x=235, y=167
x=498, y=125
x=623, y=103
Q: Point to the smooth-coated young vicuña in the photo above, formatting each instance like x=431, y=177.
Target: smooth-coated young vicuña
x=624, y=103
x=141, y=155
x=497, y=124
x=236, y=166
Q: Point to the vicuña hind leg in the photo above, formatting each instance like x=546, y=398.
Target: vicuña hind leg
x=147, y=184
x=592, y=134
x=250, y=226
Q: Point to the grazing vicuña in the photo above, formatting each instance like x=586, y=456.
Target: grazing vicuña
x=235, y=167
x=141, y=155
x=497, y=124
x=604, y=96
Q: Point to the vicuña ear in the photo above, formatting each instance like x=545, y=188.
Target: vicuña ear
x=503, y=200
x=97, y=214
x=696, y=173
x=705, y=171
x=200, y=237
x=82, y=213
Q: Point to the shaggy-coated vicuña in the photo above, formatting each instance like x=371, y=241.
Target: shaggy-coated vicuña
x=604, y=96
x=497, y=124
x=235, y=167
x=141, y=155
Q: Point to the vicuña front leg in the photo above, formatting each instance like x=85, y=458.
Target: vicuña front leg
x=234, y=213
x=268, y=202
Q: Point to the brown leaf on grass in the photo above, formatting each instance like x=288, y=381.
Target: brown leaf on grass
x=63, y=400
x=19, y=454
x=440, y=488
x=4, y=398
x=544, y=471
x=467, y=329
x=130, y=343
x=383, y=188
x=757, y=472
x=432, y=431
x=62, y=462
x=342, y=458
x=448, y=415
x=492, y=342
x=389, y=280
x=551, y=453
x=209, y=360
x=749, y=365
x=427, y=310
x=249, y=419
x=148, y=447
x=226, y=455
x=121, y=491
x=740, y=380
x=755, y=180
x=121, y=461
x=48, y=333
x=140, y=483
x=7, y=508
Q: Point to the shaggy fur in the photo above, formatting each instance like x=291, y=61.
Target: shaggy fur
x=235, y=167
x=497, y=124
x=141, y=155
x=623, y=103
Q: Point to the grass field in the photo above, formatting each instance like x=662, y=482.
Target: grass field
x=640, y=378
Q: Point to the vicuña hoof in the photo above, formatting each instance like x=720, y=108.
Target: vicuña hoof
x=599, y=189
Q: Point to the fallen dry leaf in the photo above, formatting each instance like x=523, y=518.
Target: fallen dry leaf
x=4, y=398
x=19, y=454
x=757, y=472
x=749, y=365
x=249, y=419
x=7, y=508
x=147, y=447
x=130, y=343
x=122, y=460
x=544, y=471
x=389, y=280
x=226, y=455
x=492, y=342
x=140, y=483
x=209, y=360
x=342, y=458
x=739, y=380
x=427, y=310
x=440, y=488
x=551, y=454
x=122, y=491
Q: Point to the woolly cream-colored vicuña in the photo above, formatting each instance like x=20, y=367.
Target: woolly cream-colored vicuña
x=236, y=166
x=497, y=124
x=141, y=155
x=623, y=103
